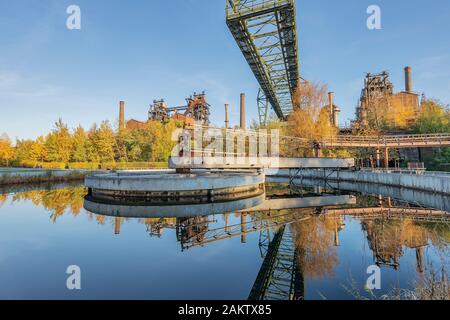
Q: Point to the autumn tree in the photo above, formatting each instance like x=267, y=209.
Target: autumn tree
x=311, y=117
x=79, y=146
x=59, y=143
x=38, y=151
x=104, y=141
x=6, y=150
x=23, y=151
x=434, y=117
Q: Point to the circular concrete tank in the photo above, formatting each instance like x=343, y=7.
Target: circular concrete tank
x=167, y=187
x=173, y=211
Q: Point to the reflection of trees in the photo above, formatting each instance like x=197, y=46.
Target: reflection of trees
x=315, y=244
x=3, y=198
x=439, y=234
x=388, y=238
x=56, y=201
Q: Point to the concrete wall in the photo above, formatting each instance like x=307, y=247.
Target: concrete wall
x=429, y=183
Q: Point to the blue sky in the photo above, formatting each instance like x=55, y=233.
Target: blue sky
x=141, y=50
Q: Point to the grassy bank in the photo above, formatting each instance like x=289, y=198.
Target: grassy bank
x=40, y=176
x=35, y=173
x=91, y=165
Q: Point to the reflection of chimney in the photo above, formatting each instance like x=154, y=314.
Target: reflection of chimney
x=122, y=115
x=243, y=126
x=408, y=79
x=243, y=228
x=117, y=223
x=226, y=117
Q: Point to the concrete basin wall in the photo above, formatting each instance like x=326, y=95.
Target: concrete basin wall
x=429, y=183
x=161, y=181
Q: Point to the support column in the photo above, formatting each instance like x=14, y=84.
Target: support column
x=226, y=222
x=317, y=150
x=378, y=157
x=386, y=158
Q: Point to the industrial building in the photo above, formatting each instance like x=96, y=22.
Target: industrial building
x=379, y=100
x=196, y=109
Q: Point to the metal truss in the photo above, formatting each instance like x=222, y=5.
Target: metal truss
x=263, y=108
x=257, y=223
x=265, y=31
x=279, y=277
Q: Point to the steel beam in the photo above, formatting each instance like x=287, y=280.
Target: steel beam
x=265, y=31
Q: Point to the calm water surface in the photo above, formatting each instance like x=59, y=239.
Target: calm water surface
x=44, y=230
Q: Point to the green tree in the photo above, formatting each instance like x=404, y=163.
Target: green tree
x=104, y=142
x=23, y=151
x=59, y=143
x=80, y=145
x=434, y=117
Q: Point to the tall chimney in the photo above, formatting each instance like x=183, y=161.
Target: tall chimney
x=331, y=106
x=226, y=117
x=408, y=79
x=122, y=115
x=243, y=125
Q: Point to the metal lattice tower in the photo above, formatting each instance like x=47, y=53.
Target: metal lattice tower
x=265, y=31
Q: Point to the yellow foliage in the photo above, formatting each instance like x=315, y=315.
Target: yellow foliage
x=310, y=119
x=6, y=151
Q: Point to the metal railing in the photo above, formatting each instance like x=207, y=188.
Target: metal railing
x=390, y=140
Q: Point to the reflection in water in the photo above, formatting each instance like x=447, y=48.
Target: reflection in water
x=388, y=239
x=299, y=238
x=57, y=201
x=315, y=243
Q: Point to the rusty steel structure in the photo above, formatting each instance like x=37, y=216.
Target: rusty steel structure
x=196, y=109
x=376, y=86
x=158, y=111
x=265, y=31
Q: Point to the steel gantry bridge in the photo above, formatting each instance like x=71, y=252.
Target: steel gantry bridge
x=265, y=31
